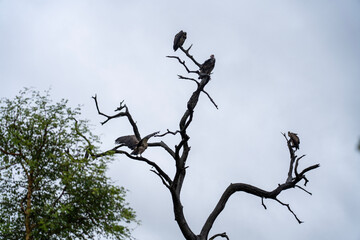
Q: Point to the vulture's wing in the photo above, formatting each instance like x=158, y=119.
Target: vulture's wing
x=297, y=138
x=130, y=141
x=146, y=138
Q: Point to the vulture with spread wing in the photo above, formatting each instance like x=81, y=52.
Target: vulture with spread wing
x=294, y=139
x=134, y=144
x=207, y=67
x=179, y=39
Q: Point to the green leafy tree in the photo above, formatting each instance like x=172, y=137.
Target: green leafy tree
x=52, y=180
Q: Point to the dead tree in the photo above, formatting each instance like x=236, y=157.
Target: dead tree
x=180, y=154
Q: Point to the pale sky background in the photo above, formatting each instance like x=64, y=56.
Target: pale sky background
x=280, y=65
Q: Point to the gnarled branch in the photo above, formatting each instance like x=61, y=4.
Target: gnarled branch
x=126, y=113
x=242, y=187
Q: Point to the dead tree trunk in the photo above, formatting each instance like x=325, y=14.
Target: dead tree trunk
x=181, y=152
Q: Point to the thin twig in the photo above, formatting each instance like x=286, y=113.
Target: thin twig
x=262, y=203
x=168, y=132
x=306, y=180
x=303, y=189
x=224, y=235
x=308, y=169
x=288, y=207
x=191, y=79
x=211, y=99
x=183, y=63
x=162, y=179
x=121, y=106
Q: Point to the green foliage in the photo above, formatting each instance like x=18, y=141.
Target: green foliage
x=51, y=181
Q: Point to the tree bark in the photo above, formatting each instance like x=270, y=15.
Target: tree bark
x=28, y=208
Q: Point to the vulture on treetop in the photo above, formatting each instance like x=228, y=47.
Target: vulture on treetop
x=294, y=139
x=134, y=144
x=207, y=66
x=179, y=39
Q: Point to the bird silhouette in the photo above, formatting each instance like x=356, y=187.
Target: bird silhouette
x=207, y=67
x=179, y=39
x=294, y=140
x=131, y=141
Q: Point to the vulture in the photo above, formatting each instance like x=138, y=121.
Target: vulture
x=134, y=144
x=294, y=139
x=207, y=66
x=179, y=39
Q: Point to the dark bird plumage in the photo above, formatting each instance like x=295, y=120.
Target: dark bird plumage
x=294, y=139
x=179, y=39
x=207, y=66
x=134, y=144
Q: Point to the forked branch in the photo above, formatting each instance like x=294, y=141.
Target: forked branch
x=125, y=113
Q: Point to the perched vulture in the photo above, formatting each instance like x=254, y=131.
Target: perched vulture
x=134, y=144
x=294, y=139
x=179, y=39
x=207, y=66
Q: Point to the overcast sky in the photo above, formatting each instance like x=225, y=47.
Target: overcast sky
x=280, y=65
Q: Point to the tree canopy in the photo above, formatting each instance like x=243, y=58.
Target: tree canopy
x=53, y=185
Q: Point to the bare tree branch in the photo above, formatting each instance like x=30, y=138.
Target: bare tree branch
x=107, y=116
x=164, y=146
x=183, y=63
x=262, y=203
x=224, y=235
x=211, y=99
x=241, y=187
x=303, y=189
x=162, y=179
x=120, y=114
x=297, y=164
x=288, y=206
x=191, y=79
x=190, y=56
x=141, y=159
x=168, y=132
